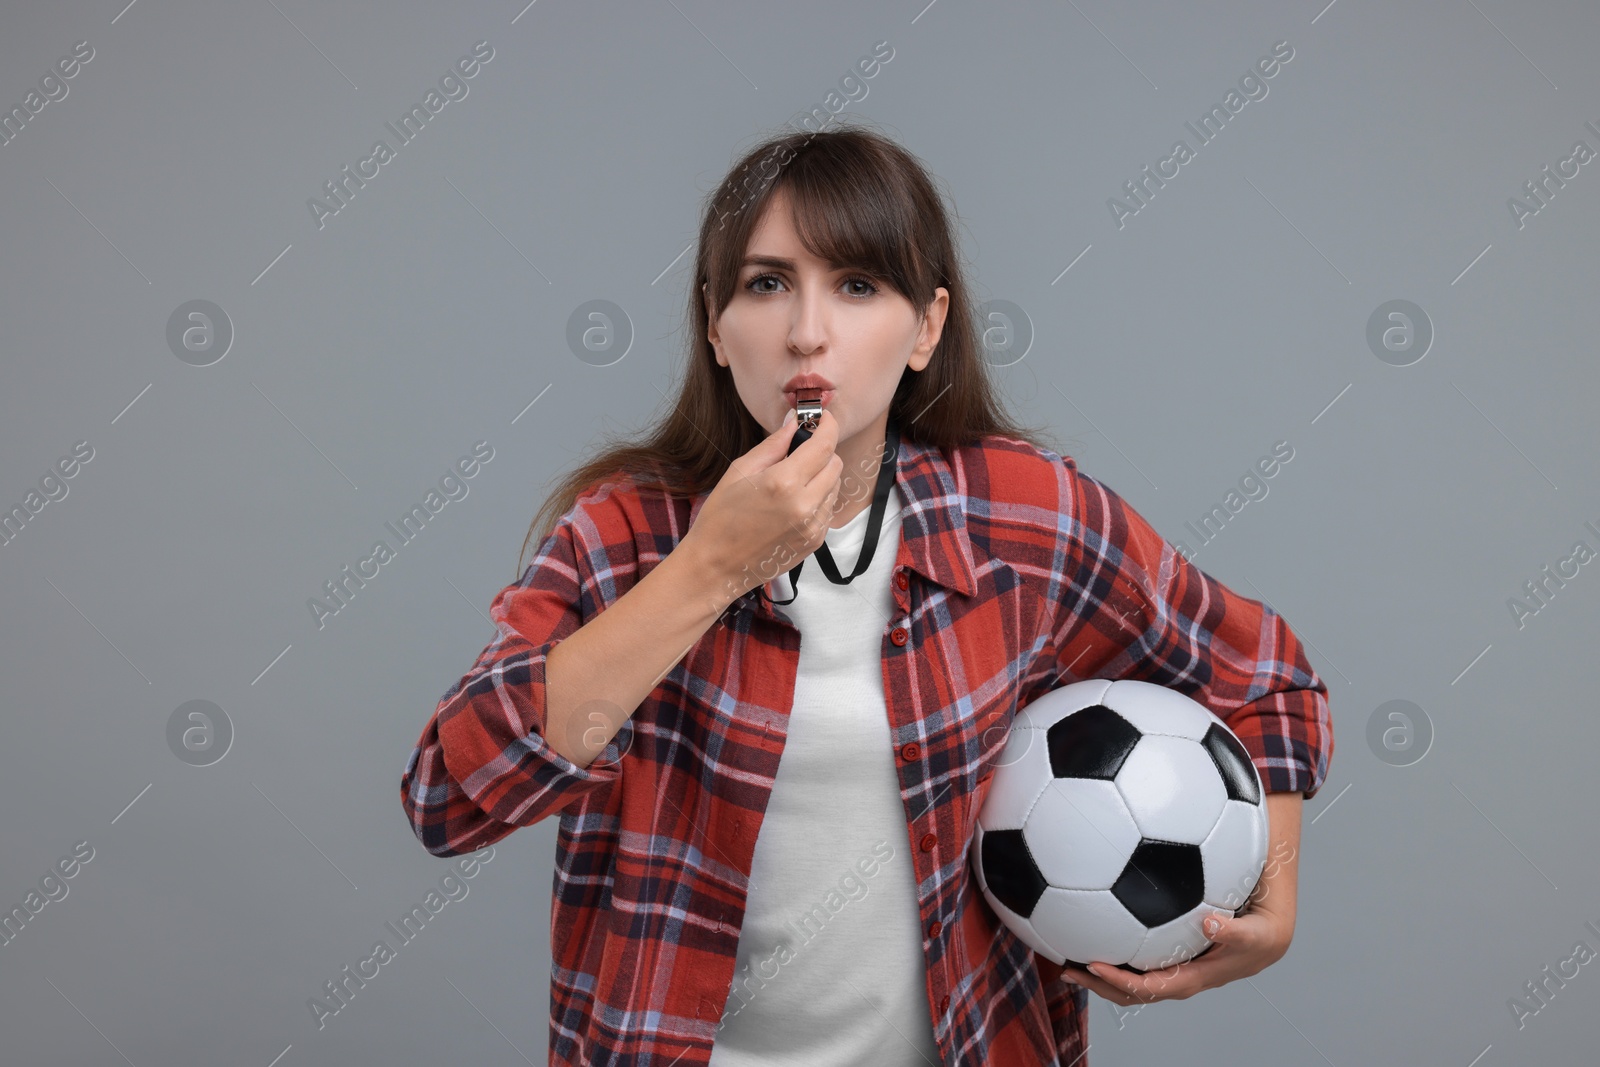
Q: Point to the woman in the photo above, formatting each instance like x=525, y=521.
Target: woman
x=766, y=789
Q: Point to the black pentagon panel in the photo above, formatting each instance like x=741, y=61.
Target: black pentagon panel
x=1092, y=742
x=1161, y=881
x=1008, y=867
x=1233, y=763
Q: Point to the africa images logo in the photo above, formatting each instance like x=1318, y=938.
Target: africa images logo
x=452, y=87
x=1253, y=86
x=342, y=590
x=807, y=928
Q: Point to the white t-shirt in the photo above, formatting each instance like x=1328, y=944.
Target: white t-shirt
x=830, y=967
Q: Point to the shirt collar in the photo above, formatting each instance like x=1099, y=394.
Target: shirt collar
x=933, y=533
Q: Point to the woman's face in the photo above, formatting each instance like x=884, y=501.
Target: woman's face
x=793, y=314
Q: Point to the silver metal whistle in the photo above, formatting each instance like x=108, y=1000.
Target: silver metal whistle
x=808, y=408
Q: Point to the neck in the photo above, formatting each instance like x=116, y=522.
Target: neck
x=863, y=456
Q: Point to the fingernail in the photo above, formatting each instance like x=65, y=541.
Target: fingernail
x=1211, y=925
x=788, y=418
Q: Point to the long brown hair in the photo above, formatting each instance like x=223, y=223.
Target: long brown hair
x=859, y=199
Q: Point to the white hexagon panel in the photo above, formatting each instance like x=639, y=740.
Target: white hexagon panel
x=1092, y=920
x=1181, y=939
x=1235, y=854
x=1022, y=773
x=1172, y=787
x=1158, y=710
x=1080, y=833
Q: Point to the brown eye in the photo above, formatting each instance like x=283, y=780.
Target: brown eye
x=863, y=280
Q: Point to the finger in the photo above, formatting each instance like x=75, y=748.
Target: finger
x=1175, y=982
x=1098, y=986
x=827, y=475
x=1152, y=982
x=773, y=449
x=1240, y=932
x=1123, y=981
x=825, y=433
x=1093, y=984
x=812, y=455
x=1179, y=981
x=783, y=432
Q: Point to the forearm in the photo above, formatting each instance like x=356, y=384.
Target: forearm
x=597, y=678
x=1277, y=890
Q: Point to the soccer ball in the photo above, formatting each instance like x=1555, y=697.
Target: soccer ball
x=1120, y=816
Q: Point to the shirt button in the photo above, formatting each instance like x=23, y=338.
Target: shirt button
x=944, y=1003
x=901, y=580
x=910, y=751
x=933, y=930
x=898, y=635
x=928, y=841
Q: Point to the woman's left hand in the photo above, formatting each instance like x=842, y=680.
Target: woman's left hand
x=1245, y=944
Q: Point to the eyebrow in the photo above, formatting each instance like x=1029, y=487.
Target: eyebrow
x=787, y=264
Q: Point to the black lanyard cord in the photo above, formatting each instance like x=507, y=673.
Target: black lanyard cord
x=880, y=500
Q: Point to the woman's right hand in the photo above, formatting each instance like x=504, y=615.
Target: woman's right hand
x=771, y=508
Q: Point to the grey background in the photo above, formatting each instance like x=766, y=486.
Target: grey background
x=1229, y=314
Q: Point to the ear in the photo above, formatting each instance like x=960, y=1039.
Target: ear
x=711, y=326
x=932, y=329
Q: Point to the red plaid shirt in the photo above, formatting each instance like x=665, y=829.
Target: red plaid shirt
x=1016, y=574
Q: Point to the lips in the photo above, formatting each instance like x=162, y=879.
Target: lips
x=814, y=384
x=792, y=395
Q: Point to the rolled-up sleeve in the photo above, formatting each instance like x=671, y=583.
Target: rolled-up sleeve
x=1131, y=606
x=482, y=766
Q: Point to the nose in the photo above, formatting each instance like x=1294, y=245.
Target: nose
x=808, y=330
